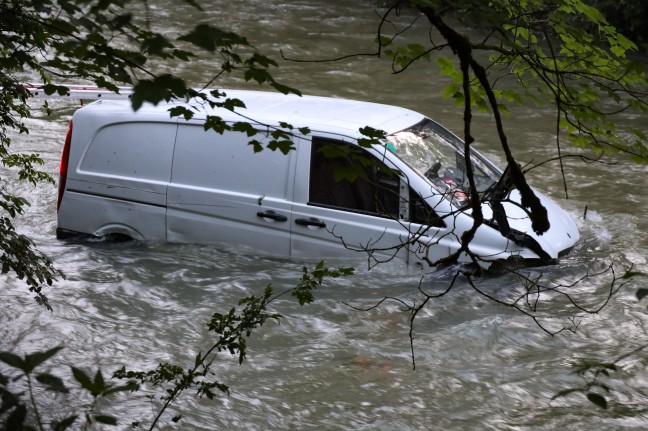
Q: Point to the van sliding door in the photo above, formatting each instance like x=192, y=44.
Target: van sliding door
x=336, y=216
x=221, y=191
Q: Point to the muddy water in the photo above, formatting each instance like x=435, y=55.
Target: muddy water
x=479, y=365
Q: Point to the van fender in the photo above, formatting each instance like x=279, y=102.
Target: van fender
x=119, y=229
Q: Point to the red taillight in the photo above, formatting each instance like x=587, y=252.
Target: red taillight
x=64, y=166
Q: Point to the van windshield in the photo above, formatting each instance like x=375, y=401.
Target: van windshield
x=437, y=155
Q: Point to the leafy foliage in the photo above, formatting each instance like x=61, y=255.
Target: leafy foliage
x=105, y=43
x=537, y=43
x=532, y=50
x=564, y=51
x=312, y=279
x=19, y=253
x=13, y=410
x=231, y=331
x=627, y=15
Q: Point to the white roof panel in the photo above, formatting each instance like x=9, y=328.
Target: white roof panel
x=324, y=114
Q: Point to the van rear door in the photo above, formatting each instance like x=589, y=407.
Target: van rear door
x=221, y=191
x=119, y=168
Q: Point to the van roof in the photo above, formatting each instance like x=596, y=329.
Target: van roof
x=324, y=114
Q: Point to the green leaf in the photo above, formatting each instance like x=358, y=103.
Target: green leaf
x=373, y=137
x=85, y=381
x=262, y=60
x=52, y=383
x=183, y=111
x=244, y=127
x=210, y=38
x=37, y=358
x=50, y=89
x=630, y=274
x=451, y=91
x=256, y=145
x=13, y=360
x=446, y=65
x=16, y=419
x=64, y=424
x=155, y=44
x=99, y=382
x=370, y=132
x=258, y=75
x=597, y=399
x=216, y=124
x=639, y=133
x=103, y=419
x=383, y=40
x=232, y=104
x=283, y=145
x=128, y=387
x=163, y=87
x=183, y=55
x=641, y=293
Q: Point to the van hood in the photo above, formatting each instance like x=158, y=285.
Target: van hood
x=561, y=236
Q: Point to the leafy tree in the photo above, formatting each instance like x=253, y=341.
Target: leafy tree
x=527, y=51
x=559, y=52
x=105, y=43
x=626, y=15
x=539, y=45
x=168, y=381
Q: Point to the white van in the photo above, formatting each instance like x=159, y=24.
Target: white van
x=147, y=176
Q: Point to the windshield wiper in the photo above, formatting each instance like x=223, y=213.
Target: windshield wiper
x=498, y=191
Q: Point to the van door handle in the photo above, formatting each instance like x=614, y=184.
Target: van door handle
x=272, y=215
x=310, y=222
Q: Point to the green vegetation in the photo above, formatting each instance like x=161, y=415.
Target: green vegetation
x=584, y=71
x=628, y=16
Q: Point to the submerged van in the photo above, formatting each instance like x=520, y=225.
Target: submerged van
x=147, y=176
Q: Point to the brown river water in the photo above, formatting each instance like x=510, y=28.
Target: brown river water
x=479, y=365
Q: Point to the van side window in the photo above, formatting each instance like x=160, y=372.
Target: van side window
x=375, y=194
x=421, y=213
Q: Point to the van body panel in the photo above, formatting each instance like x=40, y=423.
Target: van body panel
x=219, y=188
x=151, y=192
x=119, y=169
x=229, y=220
x=345, y=234
x=124, y=151
x=326, y=114
x=562, y=232
x=102, y=215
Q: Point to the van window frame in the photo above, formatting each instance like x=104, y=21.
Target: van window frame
x=403, y=190
x=357, y=191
